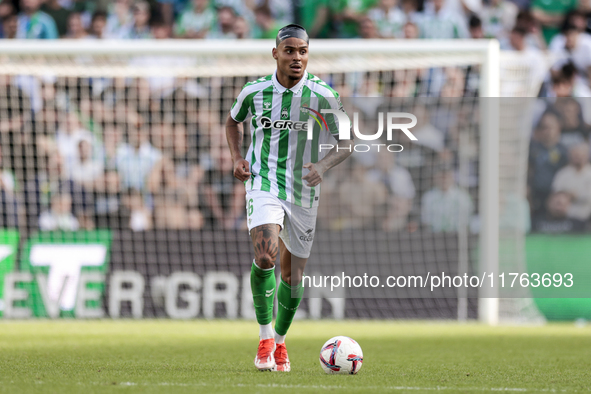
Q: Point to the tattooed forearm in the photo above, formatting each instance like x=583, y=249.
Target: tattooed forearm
x=234, y=134
x=336, y=156
x=265, y=239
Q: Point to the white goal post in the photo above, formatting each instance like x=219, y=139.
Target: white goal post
x=228, y=58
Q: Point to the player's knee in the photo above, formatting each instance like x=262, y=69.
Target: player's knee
x=265, y=261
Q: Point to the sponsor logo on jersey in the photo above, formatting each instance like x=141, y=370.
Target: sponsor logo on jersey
x=285, y=124
x=267, y=104
x=267, y=123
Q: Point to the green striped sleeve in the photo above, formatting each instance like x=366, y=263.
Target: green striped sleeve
x=328, y=98
x=330, y=103
x=242, y=105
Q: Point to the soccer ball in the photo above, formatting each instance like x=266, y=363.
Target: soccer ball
x=341, y=355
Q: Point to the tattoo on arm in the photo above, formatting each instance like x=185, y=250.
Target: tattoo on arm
x=335, y=157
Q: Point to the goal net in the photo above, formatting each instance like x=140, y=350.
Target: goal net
x=118, y=182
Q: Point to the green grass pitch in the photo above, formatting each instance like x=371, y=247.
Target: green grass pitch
x=216, y=356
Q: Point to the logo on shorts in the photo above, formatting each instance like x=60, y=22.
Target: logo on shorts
x=308, y=236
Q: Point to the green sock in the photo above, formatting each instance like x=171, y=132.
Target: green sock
x=289, y=298
x=262, y=284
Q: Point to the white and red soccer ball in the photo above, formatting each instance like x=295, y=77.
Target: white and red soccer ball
x=341, y=355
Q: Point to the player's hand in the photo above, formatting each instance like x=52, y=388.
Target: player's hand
x=241, y=168
x=314, y=177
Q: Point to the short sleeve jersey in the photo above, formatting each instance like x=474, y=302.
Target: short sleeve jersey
x=279, y=140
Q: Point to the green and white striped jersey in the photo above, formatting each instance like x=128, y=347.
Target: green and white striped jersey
x=277, y=155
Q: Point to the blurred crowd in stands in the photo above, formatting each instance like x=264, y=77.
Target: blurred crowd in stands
x=125, y=159
x=121, y=158
x=539, y=20
x=559, y=172
x=534, y=28
x=83, y=153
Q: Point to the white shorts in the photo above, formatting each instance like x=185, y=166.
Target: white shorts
x=297, y=223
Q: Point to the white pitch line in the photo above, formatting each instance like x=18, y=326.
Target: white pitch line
x=321, y=386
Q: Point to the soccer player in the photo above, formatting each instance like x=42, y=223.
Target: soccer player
x=282, y=172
